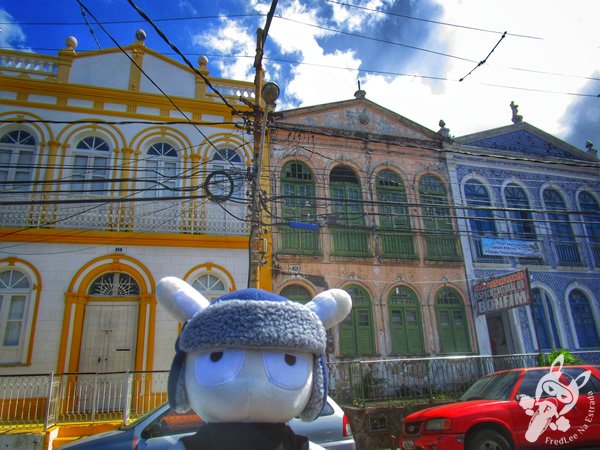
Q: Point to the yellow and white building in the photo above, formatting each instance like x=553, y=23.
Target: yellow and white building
x=117, y=168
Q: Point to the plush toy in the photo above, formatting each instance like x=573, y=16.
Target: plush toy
x=248, y=363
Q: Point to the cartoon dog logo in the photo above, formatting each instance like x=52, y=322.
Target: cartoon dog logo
x=544, y=412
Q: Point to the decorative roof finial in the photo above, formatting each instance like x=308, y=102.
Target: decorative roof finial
x=443, y=131
x=516, y=118
x=140, y=35
x=360, y=94
x=590, y=148
x=71, y=43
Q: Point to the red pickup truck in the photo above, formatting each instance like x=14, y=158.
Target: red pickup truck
x=545, y=408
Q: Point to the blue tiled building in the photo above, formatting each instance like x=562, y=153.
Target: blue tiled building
x=539, y=197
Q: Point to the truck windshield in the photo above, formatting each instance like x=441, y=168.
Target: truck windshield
x=494, y=387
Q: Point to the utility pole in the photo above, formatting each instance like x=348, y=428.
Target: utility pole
x=265, y=96
x=254, y=255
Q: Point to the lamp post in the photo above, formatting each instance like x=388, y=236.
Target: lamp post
x=269, y=94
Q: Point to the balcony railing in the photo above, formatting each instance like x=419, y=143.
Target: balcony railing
x=441, y=247
x=156, y=215
x=567, y=254
x=395, y=244
x=349, y=242
x=595, y=248
x=19, y=62
x=299, y=242
x=45, y=400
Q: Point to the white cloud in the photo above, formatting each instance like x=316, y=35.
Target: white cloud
x=566, y=47
x=354, y=19
x=570, y=44
x=313, y=82
x=12, y=35
x=186, y=5
x=230, y=39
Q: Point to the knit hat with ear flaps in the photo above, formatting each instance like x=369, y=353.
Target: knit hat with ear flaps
x=253, y=318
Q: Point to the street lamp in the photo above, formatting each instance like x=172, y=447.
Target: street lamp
x=269, y=93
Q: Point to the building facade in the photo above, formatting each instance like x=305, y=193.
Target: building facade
x=361, y=200
x=117, y=168
x=529, y=201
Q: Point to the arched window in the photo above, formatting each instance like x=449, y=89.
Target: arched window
x=406, y=329
x=356, y=331
x=544, y=320
x=15, y=299
x=114, y=284
x=440, y=241
x=559, y=226
x=91, y=161
x=162, y=178
x=347, y=218
x=296, y=293
x=481, y=219
x=210, y=286
x=521, y=221
x=591, y=218
x=229, y=162
x=583, y=320
x=396, y=237
x=17, y=153
x=300, y=235
x=453, y=328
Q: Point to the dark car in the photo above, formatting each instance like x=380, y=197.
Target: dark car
x=520, y=408
x=162, y=428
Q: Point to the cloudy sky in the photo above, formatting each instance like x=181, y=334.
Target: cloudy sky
x=408, y=55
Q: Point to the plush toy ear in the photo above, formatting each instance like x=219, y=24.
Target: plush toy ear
x=179, y=298
x=332, y=306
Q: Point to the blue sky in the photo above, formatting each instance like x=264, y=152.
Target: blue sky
x=408, y=55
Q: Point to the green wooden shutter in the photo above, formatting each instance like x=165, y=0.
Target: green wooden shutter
x=356, y=331
x=299, y=205
x=398, y=331
x=406, y=330
x=364, y=331
x=452, y=322
x=349, y=236
x=414, y=331
x=447, y=344
x=347, y=339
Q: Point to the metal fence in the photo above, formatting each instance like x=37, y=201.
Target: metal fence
x=45, y=400
x=360, y=382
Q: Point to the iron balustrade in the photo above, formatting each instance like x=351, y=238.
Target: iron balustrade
x=567, y=254
x=110, y=214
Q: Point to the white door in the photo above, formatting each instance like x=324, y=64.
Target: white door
x=107, y=350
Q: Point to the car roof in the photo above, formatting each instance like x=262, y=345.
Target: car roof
x=546, y=368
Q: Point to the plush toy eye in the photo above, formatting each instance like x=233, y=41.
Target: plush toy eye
x=216, y=356
x=287, y=370
x=213, y=368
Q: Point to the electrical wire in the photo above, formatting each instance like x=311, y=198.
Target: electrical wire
x=436, y=22
x=483, y=61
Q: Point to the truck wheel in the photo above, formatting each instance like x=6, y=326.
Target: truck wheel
x=489, y=440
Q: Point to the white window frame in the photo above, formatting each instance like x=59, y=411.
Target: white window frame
x=15, y=288
x=232, y=164
x=16, y=151
x=89, y=173
x=162, y=166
